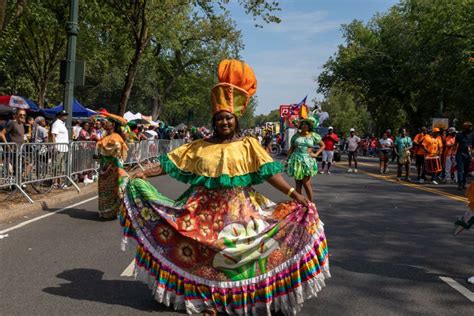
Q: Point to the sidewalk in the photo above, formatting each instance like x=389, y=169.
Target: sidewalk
x=19, y=208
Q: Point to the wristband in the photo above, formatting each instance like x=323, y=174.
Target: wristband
x=291, y=190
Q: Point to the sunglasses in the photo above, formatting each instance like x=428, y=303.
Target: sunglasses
x=21, y=114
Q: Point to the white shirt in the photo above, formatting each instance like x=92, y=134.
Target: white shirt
x=61, y=134
x=353, y=143
x=385, y=144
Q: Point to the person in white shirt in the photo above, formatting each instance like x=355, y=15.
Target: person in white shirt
x=352, y=146
x=60, y=135
x=385, y=148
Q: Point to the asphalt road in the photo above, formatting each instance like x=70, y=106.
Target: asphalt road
x=389, y=245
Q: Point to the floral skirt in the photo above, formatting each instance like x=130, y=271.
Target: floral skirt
x=231, y=250
x=301, y=165
x=108, y=190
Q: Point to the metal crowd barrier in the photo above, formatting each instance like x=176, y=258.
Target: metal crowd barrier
x=39, y=163
x=9, y=168
x=82, y=157
x=42, y=162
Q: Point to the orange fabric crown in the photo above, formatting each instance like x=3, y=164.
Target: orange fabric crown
x=237, y=83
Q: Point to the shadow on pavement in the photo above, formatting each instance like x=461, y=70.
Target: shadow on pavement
x=89, y=285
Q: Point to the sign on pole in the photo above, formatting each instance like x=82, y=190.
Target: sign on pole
x=440, y=123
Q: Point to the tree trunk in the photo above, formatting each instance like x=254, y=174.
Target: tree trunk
x=157, y=107
x=42, y=87
x=129, y=79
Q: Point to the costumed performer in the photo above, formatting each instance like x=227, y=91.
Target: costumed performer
x=112, y=151
x=302, y=164
x=222, y=246
x=467, y=220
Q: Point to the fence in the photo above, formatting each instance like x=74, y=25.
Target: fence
x=42, y=164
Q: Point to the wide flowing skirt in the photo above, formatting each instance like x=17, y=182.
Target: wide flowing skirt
x=301, y=165
x=232, y=250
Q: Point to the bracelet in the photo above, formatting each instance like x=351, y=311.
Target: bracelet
x=291, y=190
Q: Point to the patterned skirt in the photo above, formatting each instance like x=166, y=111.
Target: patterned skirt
x=230, y=250
x=108, y=187
x=301, y=165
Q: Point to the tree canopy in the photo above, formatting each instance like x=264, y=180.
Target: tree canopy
x=409, y=64
x=157, y=57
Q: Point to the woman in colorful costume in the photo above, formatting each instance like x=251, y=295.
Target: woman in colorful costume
x=112, y=151
x=222, y=246
x=302, y=164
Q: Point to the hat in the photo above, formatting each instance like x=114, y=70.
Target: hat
x=62, y=113
x=451, y=130
x=330, y=128
x=237, y=83
x=467, y=124
x=352, y=130
x=311, y=121
x=112, y=117
x=435, y=130
x=39, y=119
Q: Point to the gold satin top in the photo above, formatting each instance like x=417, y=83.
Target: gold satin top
x=214, y=160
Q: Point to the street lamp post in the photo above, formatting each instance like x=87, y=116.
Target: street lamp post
x=72, y=30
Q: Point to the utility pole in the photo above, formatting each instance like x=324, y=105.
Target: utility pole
x=72, y=30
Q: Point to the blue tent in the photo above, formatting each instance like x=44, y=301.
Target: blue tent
x=78, y=110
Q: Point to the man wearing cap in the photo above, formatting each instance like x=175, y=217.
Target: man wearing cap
x=433, y=146
x=352, y=146
x=329, y=140
x=420, y=154
x=465, y=143
x=450, y=156
x=60, y=135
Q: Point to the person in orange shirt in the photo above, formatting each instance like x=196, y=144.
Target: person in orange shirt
x=433, y=146
x=420, y=154
x=450, y=156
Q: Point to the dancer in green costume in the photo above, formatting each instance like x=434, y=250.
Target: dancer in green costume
x=302, y=164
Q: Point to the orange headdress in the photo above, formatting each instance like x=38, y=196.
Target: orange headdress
x=237, y=83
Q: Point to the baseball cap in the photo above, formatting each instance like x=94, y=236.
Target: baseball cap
x=451, y=130
x=330, y=128
x=352, y=130
x=61, y=113
x=435, y=130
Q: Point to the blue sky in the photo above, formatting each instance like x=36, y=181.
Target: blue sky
x=287, y=57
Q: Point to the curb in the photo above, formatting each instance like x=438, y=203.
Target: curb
x=53, y=200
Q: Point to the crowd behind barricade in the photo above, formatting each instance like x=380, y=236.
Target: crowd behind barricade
x=443, y=155
x=38, y=150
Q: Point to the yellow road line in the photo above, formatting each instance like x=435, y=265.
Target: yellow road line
x=413, y=185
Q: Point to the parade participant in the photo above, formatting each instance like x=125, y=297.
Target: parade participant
x=352, y=147
x=465, y=143
x=112, y=151
x=268, y=141
x=302, y=164
x=329, y=140
x=222, y=246
x=450, y=156
x=433, y=148
x=420, y=154
x=403, y=145
x=385, y=148
x=467, y=219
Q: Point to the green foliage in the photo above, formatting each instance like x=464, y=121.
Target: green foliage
x=345, y=113
x=273, y=116
x=156, y=57
x=408, y=63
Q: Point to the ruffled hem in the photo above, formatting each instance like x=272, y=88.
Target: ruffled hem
x=284, y=288
x=224, y=181
x=300, y=166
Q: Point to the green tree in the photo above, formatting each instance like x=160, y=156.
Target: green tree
x=345, y=113
x=410, y=62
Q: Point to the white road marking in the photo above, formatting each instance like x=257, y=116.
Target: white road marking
x=3, y=236
x=45, y=215
x=128, y=272
x=458, y=287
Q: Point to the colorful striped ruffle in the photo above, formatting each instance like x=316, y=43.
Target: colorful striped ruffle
x=284, y=288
